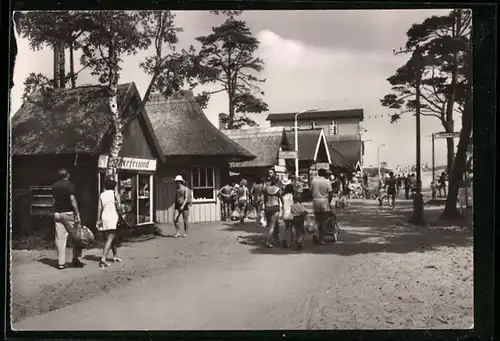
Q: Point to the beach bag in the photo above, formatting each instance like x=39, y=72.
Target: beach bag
x=252, y=214
x=83, y=236
x=263, y=221
x=310, y=226
x=235, y=215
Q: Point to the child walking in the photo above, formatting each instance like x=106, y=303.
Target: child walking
x=286, y=232
x=298, y=213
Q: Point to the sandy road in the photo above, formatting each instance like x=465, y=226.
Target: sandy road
x=380, y=275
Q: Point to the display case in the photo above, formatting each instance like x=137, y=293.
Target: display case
x=136, y=200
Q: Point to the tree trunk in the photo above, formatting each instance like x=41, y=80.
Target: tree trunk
x=117, y=138
x=62, y=66
x=450, y=147
x=56, y=65
x=450, y=211
x=72, y=66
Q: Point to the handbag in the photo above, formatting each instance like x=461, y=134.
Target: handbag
x=83, y=236
x=122, y=223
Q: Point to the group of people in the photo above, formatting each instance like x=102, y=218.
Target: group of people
x=67, y=218
x=277, y=205
x=440, y=187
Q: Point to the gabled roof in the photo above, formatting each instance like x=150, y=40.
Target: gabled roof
x=333, y=114
x=309, y=143
x=68, y=121
x=183, y=129
x=344, y=151
x=263, y=142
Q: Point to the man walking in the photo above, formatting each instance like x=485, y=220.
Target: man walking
x=182, y=202
x=66, y=216
x=321, y=189
x=225, y=196
x=390, y=186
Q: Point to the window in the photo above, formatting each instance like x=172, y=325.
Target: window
x=314, y=124
x=334, y=128
x=203, y=182
x=42, y=202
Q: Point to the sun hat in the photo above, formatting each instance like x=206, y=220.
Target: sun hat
x=179, y=178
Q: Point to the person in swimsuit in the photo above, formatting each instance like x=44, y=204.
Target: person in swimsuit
x=181, y=206
x=257, y=195
x=273, y=204
x=225, y=197
x=243, y=198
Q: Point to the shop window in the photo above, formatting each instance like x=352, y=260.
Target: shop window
x=334, y=128
x=42, y=201
x=203, y=183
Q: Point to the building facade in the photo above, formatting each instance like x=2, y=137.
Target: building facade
x=342, y=130
x=193, y=148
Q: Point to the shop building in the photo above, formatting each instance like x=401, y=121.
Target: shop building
x=313, y=151
x=269, y=144
x=70, y=128
x=194, y=148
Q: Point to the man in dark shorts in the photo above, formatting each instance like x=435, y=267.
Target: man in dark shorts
x=182, y=194
x=321, y=189
x=225, y=196
x=390, y=186
x=66, y=216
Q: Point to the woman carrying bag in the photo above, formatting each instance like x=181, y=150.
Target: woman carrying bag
x=108, y=219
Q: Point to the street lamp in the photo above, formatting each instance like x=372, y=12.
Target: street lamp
x=378, y=158
x=297, y=141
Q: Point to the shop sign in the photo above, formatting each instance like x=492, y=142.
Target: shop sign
x=288, y=155
x=324, y=165
x=280, y=169
x=454, y=135
x=130, y=163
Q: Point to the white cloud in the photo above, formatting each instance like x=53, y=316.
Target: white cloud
x=298, y=76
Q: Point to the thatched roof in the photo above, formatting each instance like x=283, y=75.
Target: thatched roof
x=333, y=114
x=67, y=121
x=183, y=129
x=263, y=142
x=309, y=143
x=344, y=151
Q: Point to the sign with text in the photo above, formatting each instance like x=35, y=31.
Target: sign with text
x=288, y=155
x=130, y=163
x=280, y=169
x=324, y=165
x=454, y=135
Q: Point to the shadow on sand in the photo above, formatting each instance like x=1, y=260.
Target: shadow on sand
x=365, y=228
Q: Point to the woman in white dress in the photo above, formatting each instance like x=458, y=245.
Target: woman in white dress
x=107, y=219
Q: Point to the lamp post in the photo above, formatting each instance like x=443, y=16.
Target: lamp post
x=297, y=141
x=378, y=157
x=418, y=202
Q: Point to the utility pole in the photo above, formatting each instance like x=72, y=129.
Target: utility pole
x=433, y=160
x=418, y=202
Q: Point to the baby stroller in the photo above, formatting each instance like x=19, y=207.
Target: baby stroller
x=332, y=228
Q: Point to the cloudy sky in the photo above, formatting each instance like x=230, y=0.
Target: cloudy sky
x=313, y=59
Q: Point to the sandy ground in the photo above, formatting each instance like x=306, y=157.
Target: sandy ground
x=382, y=274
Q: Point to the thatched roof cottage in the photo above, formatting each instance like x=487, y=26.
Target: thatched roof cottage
x=196, y=149
x=71, y=128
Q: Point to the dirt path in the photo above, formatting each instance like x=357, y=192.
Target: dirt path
x=382, y=274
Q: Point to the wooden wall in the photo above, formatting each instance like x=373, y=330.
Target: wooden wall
x=165, y=195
